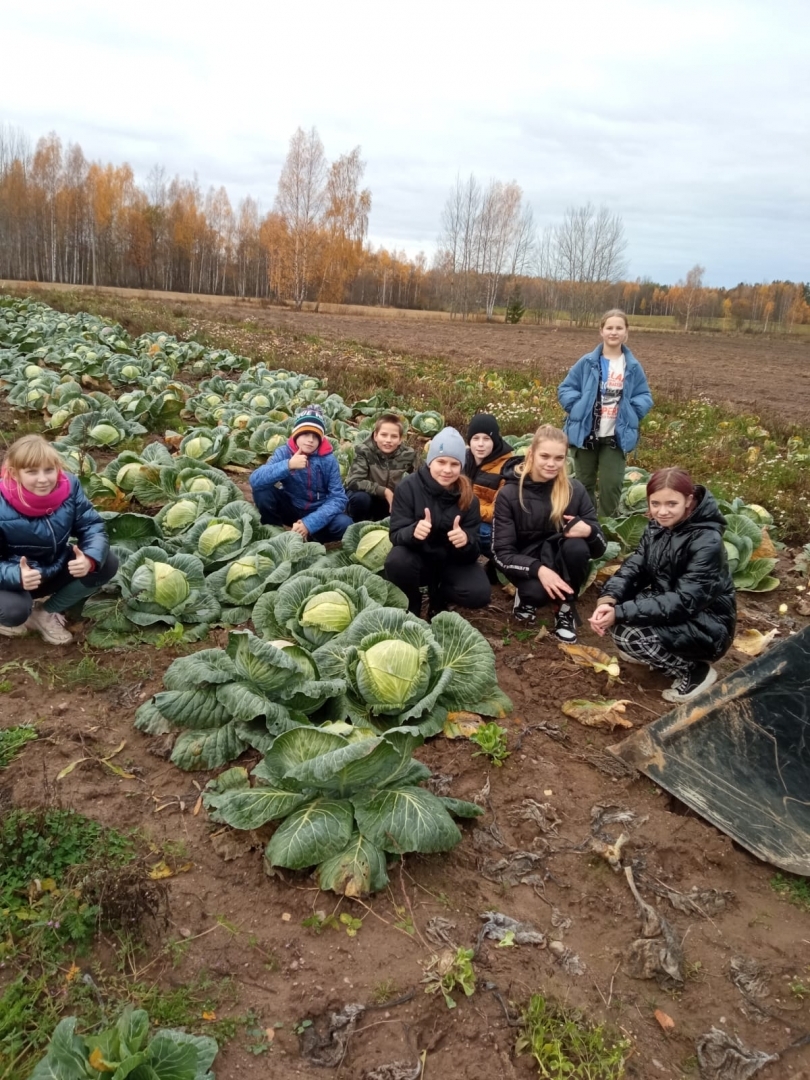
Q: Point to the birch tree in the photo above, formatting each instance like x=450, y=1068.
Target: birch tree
x=300, y=201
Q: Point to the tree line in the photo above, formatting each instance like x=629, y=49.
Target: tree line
x=66, y=219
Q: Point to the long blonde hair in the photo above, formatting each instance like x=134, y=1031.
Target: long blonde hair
x=29, y=452
x=562, y=491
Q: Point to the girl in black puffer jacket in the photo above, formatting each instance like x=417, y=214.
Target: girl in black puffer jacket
x=434, y=530
x=43, y=509
x=545, y=531
x=672, y=604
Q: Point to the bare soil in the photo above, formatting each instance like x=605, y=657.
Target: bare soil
x=767, y=375
x=287, y=973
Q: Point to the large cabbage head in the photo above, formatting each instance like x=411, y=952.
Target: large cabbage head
x=179, y=516
x=198, y=447
x=636, y=495
x=216, y=537
x=373, y=548
x=105, y=434
x=161, y=583
x=127, y=475
x=245, y=575
x=330, y=612
x=200, y=483
x=391, y=674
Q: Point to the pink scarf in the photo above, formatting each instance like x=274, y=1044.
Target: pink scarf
x=30, y=505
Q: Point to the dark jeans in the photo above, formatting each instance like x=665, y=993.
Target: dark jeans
x=64, y=592
x=365, y=507
x=277, y=508
x=575, y=555
x=449, y=583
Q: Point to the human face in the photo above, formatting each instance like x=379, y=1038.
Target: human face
x=308, y=443
x=669, y=507
x=445, y=470
x=39, y=480
x=614, y=332
x=481, y=446
x=549, y=460
x=388, y=438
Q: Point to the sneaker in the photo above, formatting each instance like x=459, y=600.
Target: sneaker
x=525, y=613
x=699, y=677
x=13, y=631
x=565, y=624
x=50, y=625
x=628, y=659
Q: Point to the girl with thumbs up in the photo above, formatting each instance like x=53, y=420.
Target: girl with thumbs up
x=435, y=519
x=53, y=543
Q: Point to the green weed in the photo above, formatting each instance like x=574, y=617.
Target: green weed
x=450, y=971
x=796, y=890
x=88, y=674
x=491, y=740
x=566, y=1046
x=384, y=991
x=12, y=741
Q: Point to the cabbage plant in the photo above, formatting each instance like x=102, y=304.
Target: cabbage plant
x=221, y=537
x=400, y=670
x=127, y=1048
x=427, y=423
x=157, y=591
x=344, y=806
x=214, y=446
x=102, y=428
x=750, y=570
x=220, y=701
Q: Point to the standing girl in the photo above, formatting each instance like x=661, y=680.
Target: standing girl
x=671, y=604
x=545, y=532
x=434, y=530
x=42, y=508
x=606, y=396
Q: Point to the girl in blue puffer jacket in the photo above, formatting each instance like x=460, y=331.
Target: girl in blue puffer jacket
x=605, y=396
x=42, y=511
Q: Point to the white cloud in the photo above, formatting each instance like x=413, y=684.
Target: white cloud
x=689, y=119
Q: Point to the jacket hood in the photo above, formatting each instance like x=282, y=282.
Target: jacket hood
x=705, y=515
x=509, y=473
x=324, y=448
x=500, y=448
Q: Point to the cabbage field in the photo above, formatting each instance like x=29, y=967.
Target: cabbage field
x=300, y=687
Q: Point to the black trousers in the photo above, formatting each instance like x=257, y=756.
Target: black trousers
x=449, y=583
x=576, y=557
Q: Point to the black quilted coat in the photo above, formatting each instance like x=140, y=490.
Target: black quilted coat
x=678, y=581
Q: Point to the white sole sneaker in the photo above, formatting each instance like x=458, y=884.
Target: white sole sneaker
x=675, y=697
x=49, y=625
x=628, y=659
x=13, y=631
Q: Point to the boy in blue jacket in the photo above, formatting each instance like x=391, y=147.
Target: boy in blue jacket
x=300, y=485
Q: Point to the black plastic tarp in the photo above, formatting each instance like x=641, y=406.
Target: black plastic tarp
x=739, y=755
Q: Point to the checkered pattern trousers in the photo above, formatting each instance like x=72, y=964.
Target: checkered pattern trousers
x=644, y=644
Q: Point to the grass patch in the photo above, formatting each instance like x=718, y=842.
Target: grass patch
x=565, y=1044
x=89, y=674
x=12, y=742
x=796, y=890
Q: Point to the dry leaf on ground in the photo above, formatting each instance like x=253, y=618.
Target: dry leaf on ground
x=587, y=656
x=461, y=725
x=752, y=642
x=604, y=712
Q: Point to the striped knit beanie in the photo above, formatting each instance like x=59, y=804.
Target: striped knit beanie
x=310, y=419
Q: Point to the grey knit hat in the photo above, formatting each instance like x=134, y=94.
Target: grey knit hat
x=448, y=443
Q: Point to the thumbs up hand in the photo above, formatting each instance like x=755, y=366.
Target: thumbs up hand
x=80, y=566
x=457, y=536
x=30, y=579
x=423, y=527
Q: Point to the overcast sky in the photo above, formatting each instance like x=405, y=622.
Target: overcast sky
x=690, y=118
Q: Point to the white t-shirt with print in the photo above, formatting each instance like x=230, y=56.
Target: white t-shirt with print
x=611, y=396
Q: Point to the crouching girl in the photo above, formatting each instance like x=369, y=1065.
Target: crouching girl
x=672, y=605
x=42, y=509
x=434, y=530
x=545, y=532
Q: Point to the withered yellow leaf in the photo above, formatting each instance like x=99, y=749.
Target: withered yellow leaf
x=604, y=712
x=766, y=549
x=161, y=870
x=752, y=642
x=97, y=1062
x=207, y=1015
x=68, y=769
x=587, y=656
x=461, y=725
